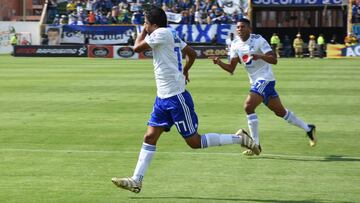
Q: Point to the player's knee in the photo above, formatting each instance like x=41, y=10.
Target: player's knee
x=280, y=113
x=194, y=145
x=248, y=108
x=150, y=138
x=194, y=141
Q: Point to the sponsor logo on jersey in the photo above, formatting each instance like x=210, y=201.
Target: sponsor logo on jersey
x=247, y=59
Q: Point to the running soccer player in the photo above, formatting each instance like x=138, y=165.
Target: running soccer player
x=173, y=104
x=257, y=56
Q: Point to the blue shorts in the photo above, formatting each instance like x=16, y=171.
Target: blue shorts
x=264, y=88
x=178, y=110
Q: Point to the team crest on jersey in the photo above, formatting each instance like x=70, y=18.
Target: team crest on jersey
x=247, y=59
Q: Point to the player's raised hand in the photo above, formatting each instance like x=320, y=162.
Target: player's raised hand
x=215, y=59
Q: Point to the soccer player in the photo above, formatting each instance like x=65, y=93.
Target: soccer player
x=257, y=56
x=173, y=104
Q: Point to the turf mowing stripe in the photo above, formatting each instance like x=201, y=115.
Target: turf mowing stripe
x=178, y=153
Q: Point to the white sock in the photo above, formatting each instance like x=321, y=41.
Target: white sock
x=253, y=124
x=146, y=154
x=215, y=139
x=292, y=119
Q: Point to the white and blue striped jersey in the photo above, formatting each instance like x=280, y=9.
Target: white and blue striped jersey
x=167, y=59
x=257, y=69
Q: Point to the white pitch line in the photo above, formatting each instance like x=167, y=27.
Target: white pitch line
x=173, y=153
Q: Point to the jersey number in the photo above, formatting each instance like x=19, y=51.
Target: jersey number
x=178, y=125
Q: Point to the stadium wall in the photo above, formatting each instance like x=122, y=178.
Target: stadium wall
x=7, y=29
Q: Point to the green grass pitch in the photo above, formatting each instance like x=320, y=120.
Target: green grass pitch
x=68, y=125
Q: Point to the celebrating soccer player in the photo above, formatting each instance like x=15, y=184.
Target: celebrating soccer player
x=256, y=54
x=173, y=104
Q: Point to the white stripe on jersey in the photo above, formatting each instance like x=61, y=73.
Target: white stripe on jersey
x=187, y=113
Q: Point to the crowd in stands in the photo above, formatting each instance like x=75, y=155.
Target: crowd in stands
x=79, y=12
x=356, y=11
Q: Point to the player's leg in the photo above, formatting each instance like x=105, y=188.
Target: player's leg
x=147, y=152
x=276, y=106
x=186, y=122
x=159, y=122
x=253, y=100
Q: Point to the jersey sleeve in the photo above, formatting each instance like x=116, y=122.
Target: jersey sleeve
x=156, y=39
x=233, y=52
x=264, y=45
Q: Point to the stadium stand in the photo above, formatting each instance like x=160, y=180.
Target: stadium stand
x=82, y=12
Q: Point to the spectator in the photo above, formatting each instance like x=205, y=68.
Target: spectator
x=311, y=46
x=44, y=39
x=191, y=15
x=79, y=6
x=72, y=19
x=14, y=40
x=224, y=19
x=89, y=6
x=184, y=17
x=52, y=8
x=275, y=44
x=333, y=39
x=321, y=43
x=287, y=46
x=63, y=20
x=56, y=20
x=298, y=46
x=137, y=18
x=70, y=7
x=184, y=4
x=235, y=17
x=197, y=17
x=114, y=15
x=91, y=18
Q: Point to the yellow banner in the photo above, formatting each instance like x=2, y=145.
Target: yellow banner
x=334, y=50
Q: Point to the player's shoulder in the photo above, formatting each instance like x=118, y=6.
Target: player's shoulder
x=256, y=37
x=162, y=32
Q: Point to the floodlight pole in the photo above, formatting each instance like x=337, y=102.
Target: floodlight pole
x=24, y=10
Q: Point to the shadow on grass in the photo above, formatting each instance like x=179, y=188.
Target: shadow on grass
x=331, y=158
x=230, y=199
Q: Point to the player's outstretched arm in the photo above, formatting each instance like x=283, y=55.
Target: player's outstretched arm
x=227, y=67
x=190, y=56
x=140, y=43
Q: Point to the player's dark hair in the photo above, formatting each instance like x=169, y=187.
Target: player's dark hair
x=246, y=21
x=156, y=15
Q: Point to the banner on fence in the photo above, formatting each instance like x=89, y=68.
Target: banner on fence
x=99, y=51
x=102, y=34
x=125, y=52
x=201, y=33
x=341, y=51
x=297, y=2
x=51, y=51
